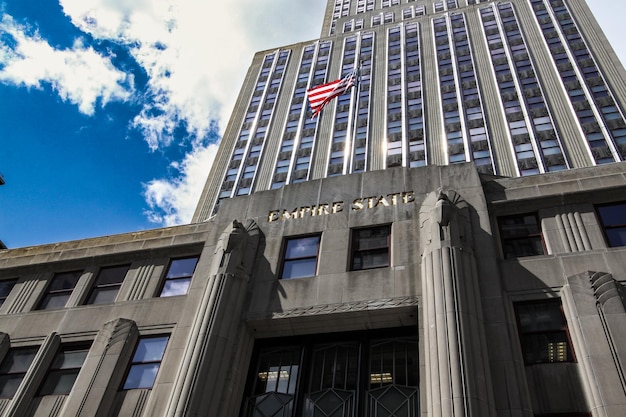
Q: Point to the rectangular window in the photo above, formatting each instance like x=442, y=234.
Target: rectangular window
x=521, y=235
x=146, y=363
x=107, y=284
x=59, y=290
x=370, y=248
x=178, y=276
x=300, y=257
x=5, y=289
x=13, y=369
x=613, y=219
x=543, y=332
x=64, y=370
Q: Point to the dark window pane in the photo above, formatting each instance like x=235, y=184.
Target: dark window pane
x=64, y=281
x=613, y=215
x=59, y=382
x=112, y=275
x=18, y=360
x=54, y=301
x=521, y=235
x=59, y=290
x=175, y=287
x=613, y=219
x=64, y=370
x=9, y=385
x=616, y=237
x=370, y=248
x=103, y=295
x=5, y=289
x=543, y=332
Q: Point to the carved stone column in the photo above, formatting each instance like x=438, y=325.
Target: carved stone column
x=458, y=380
x=101, y=374
x=216, y=333
x=594, y=306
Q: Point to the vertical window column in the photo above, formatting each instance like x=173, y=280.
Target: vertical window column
x=601, y=120
x=537, y=147
x=360, y=130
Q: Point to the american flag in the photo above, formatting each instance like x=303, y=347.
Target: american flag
x=322, y=94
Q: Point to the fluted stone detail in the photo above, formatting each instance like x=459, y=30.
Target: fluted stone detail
x=458, y=381
x=140, y=281
x=216, y=334
x=573, y=232
x=101, y=374
x=595, y=312
x=27, y=288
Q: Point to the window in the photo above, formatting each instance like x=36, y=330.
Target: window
x=13, y=369
x=107, y=285
x=5, y=289
x=300, y=258
x=521, y=235
x=613, y=219
x=178, y=277
x=370, y=248
x=59, y=290
x=146, y=362
x=352, y=374
x=543, y=332
x=64, y=370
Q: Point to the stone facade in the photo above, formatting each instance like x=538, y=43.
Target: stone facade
x=447, y=283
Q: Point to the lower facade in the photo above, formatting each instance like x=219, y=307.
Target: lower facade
x=433, y=291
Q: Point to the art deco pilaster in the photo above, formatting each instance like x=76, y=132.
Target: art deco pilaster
x=457, y=375
x=216, y=332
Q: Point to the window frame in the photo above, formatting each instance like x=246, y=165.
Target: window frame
x=133, y=363
x=95, y=287
x=524, y=335
x=6, y=283
x=166, y=279
x=354, y=251
x=57, y=371
x=52, y=293
x=530, y=236
x=21, y=374
x=605, y=227
x=285, y=259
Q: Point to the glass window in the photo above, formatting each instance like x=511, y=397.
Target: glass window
x=64, y=370
x=146, y=362
x=178, y=277
x=300, y=258
x=370, y=248
x=543, y=332
x=107, y=284
x=59, y=290
x=5, y=289
x=521, y=235
x=14, y=368
x=613, y=219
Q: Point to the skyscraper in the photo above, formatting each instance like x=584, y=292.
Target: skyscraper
x=518, y=88
x=447, y=239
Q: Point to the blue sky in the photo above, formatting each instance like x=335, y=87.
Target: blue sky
x=110, y=109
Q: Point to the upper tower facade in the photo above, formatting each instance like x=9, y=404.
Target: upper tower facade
x=519, y=87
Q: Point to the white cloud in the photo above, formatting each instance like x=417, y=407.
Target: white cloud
x=173, y=202
x=195, y=54
x=79, y=75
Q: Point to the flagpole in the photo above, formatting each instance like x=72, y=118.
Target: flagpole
x=355, y=109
